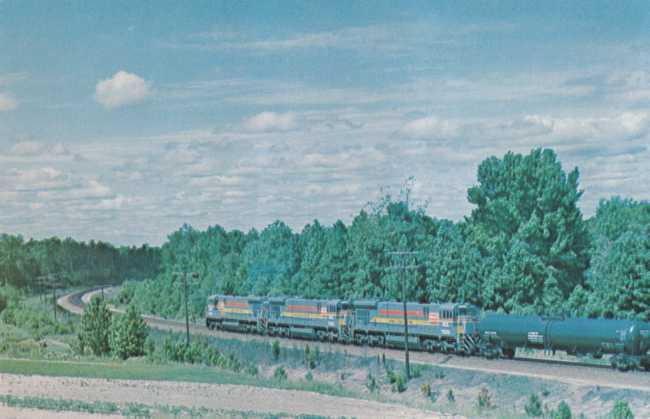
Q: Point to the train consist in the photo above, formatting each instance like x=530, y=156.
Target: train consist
x=435, y=327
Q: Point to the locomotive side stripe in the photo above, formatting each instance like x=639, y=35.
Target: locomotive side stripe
x=413, y=313
x=304, y=315
x=393, y=320
x=311, y=309
x=237, y=310
x=239, y=304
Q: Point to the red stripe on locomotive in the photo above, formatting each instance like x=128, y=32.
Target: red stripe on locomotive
x=412, y=313
x=309, y=309
x=238, y=304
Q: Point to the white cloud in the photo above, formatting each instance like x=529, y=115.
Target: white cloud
x=270, y=121
x=38, y=149
x=396, y=38
x=7, y=102
x=45, y=178
x=122, y=89
x=27, y=148
x=430, y=127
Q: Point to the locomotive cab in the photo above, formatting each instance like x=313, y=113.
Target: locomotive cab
x=211, y=311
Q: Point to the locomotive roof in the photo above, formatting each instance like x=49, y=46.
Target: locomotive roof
x=250, y=298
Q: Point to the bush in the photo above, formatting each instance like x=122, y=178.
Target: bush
x=311, y=357
x=309, y=376
x=425, y=389
x=450, y=396
x=129, y=334
x=371, y=383
x=126, y=293
x=95, y=327
x=534, y=406
x=484, y=399
x=399, y=383
x=563, y=411
x=275, y=350
x=621, y=410
x=280, y=374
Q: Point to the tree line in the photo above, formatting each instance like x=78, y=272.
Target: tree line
x=525, y=248
x=35, y=265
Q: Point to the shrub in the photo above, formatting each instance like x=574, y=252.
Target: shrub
x=95, y=327
x=425, y=389
x=534, y=406
x=450, y=396
x=621, y=410
x=399, y=383
x=563, y=411
x=280, y=374
x=129, y=334
x=311, y=357
x=252, y=370
x=484, y=399
x=275, y=350
x=309, y=376
x=371, y=383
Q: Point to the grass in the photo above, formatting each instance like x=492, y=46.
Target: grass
x=139, y=370
x=133, y=410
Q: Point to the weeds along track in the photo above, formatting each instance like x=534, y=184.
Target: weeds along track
x=580, y=374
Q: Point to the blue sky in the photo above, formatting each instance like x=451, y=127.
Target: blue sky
x=123, y=120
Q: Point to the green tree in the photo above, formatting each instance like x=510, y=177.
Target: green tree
x=528, y=220
x=619, y=275
x=621, y=410
x=563, y=411
x=454, y=266
x=534, y=406
x=129, y=334
x=271, y=261
x=96, y=327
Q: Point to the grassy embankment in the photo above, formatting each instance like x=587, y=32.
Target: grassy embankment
x=136, y=410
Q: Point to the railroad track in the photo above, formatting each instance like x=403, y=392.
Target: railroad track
x=575, y=373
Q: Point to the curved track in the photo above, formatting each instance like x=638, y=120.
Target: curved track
x=562, y=371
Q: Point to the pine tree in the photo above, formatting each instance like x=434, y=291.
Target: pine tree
x=129, y=334
x=95, y=327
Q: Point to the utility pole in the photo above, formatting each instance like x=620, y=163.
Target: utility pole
x=51, y=284
x=402, y=267
x=183, y=274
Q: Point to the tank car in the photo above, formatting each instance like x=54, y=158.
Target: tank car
x=628, y=341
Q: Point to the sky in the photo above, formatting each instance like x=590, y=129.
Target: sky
x=121, y=121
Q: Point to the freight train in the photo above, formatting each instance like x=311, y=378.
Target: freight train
x=434, y=327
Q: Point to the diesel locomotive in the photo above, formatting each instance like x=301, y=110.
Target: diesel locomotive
x=433, y=327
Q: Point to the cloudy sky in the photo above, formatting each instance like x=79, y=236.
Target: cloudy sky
x=123, y=120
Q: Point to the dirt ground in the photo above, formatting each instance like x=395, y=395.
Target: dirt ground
x=211, y=396
x=19, y=413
